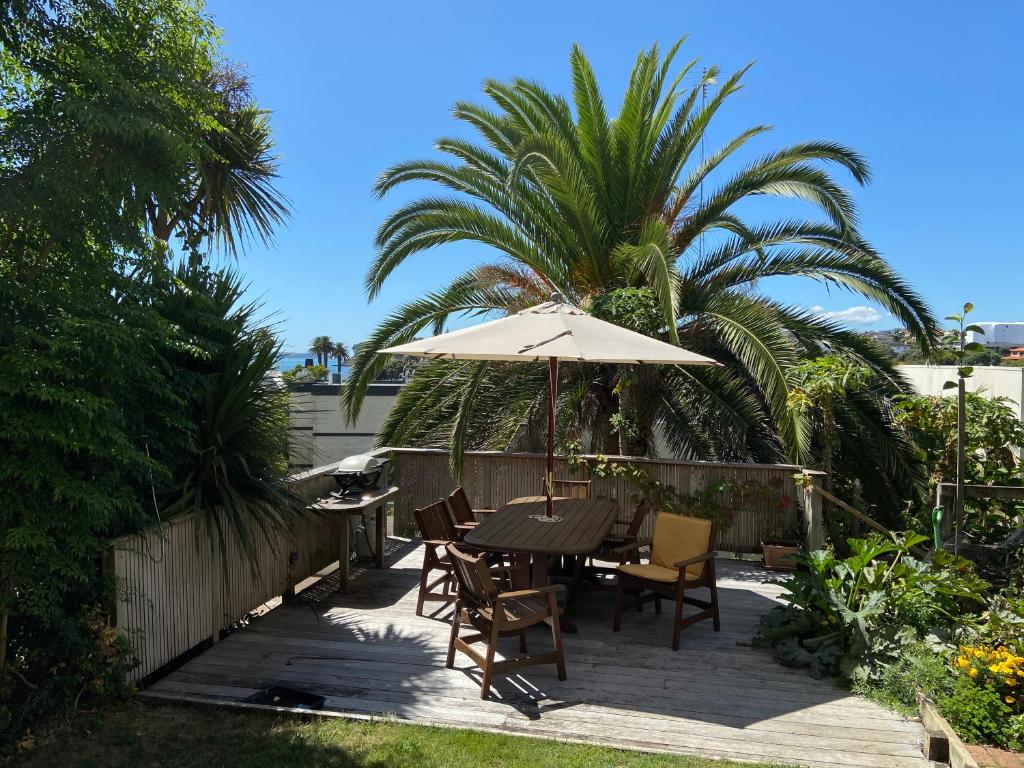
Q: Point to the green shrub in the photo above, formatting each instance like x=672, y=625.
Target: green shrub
x=977, y=713
x=993, y=433
x=919, y=666
x=852, y=617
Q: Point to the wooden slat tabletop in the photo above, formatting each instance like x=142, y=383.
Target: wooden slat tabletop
x=584, y=524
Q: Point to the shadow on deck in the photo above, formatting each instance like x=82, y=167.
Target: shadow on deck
x=370, y=655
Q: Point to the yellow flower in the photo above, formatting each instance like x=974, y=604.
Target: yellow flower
x=1009, y=699
x=973, y=673
x=962, y=662
x=1010, y=681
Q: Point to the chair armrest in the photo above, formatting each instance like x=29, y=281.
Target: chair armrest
x=465, y=526
x=484, y=511
x=622, y=521
x=436, y=542
x=683, y=564
x=633, y=545
x=521, y=593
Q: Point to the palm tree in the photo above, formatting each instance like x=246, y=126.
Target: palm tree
x=230, y=195
x=323, y=348
x=629, y=218
x=341, y=354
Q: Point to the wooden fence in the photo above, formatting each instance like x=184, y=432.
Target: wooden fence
x=176, y=589
x=492, y=478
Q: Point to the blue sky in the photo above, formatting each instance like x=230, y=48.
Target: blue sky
x=929, y=92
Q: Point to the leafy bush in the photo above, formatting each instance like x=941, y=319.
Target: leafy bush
x=919, y=665
x=306, y=374
x=979, y=715
x=128, y=389
x=993, y=433
x=852, y=617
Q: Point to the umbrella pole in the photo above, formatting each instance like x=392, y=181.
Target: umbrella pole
x=552, y=390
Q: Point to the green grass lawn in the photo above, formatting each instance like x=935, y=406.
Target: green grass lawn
x=138, y=735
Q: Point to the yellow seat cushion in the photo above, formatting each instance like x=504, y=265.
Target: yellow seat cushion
x=677, y=538
x=653, y=572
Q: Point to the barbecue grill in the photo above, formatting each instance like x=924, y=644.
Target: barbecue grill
x=356, y=474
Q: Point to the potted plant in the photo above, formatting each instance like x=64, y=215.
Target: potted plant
x=782, y=547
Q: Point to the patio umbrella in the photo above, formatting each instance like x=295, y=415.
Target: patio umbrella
x=555, y=332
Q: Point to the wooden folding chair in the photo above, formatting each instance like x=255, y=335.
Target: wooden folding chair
x=681, y=559
x=495, y=614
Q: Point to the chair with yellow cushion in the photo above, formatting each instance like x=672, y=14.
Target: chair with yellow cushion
x=681, y=560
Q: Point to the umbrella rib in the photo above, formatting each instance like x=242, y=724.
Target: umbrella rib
x=546, y=341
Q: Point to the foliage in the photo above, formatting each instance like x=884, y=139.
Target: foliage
x=979, y=715
x=304, y=374
x=718, y=502
x=126, y=384
x=235, y=469
x=976, y=685
x=943, y=356
x=852, y=617
x=626, y=215
x=993, y=431
x=341, y=354
x=956, y=341
x=919, y=666
x=997, y=668
x=323, y=348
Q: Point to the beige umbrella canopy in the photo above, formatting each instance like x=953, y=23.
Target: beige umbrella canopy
x=553, y=331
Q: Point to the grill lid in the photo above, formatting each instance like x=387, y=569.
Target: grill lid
x=360, y=463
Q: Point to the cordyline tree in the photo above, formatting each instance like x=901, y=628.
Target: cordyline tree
x=125, y=388
x=627, y=216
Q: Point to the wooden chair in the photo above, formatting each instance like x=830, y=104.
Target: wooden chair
x=567, y=489
x=462, y=513
x=438, y=530
x=495, y=614
x=681, y=559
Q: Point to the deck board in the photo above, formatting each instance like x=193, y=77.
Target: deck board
x=371, y=656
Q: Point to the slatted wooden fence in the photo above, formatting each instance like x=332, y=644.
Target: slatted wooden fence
x=492, y=478
x=176, y=589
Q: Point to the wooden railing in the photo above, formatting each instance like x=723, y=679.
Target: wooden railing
x=493, y=478
x=176, y=589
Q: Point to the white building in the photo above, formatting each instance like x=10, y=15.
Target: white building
x=998, y=334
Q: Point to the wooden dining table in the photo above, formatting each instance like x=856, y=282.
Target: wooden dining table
x=532, y=543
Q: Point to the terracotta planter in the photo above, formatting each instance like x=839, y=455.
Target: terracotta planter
x=780, y=556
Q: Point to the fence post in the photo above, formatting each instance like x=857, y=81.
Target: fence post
x=813, y=523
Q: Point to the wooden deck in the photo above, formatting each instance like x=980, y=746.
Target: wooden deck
x=370, y=655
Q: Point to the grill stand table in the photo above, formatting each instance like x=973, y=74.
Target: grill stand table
x=370, y=499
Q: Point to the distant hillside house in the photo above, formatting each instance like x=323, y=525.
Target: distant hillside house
x=1017, y=353
x=895, y=341
x=998, y=335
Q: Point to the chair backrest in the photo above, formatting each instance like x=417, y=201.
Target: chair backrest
x=476, y=586
x=435, y=523
x=677, y=537
x=458, y=503
x=569, y=489
x=639, y=515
